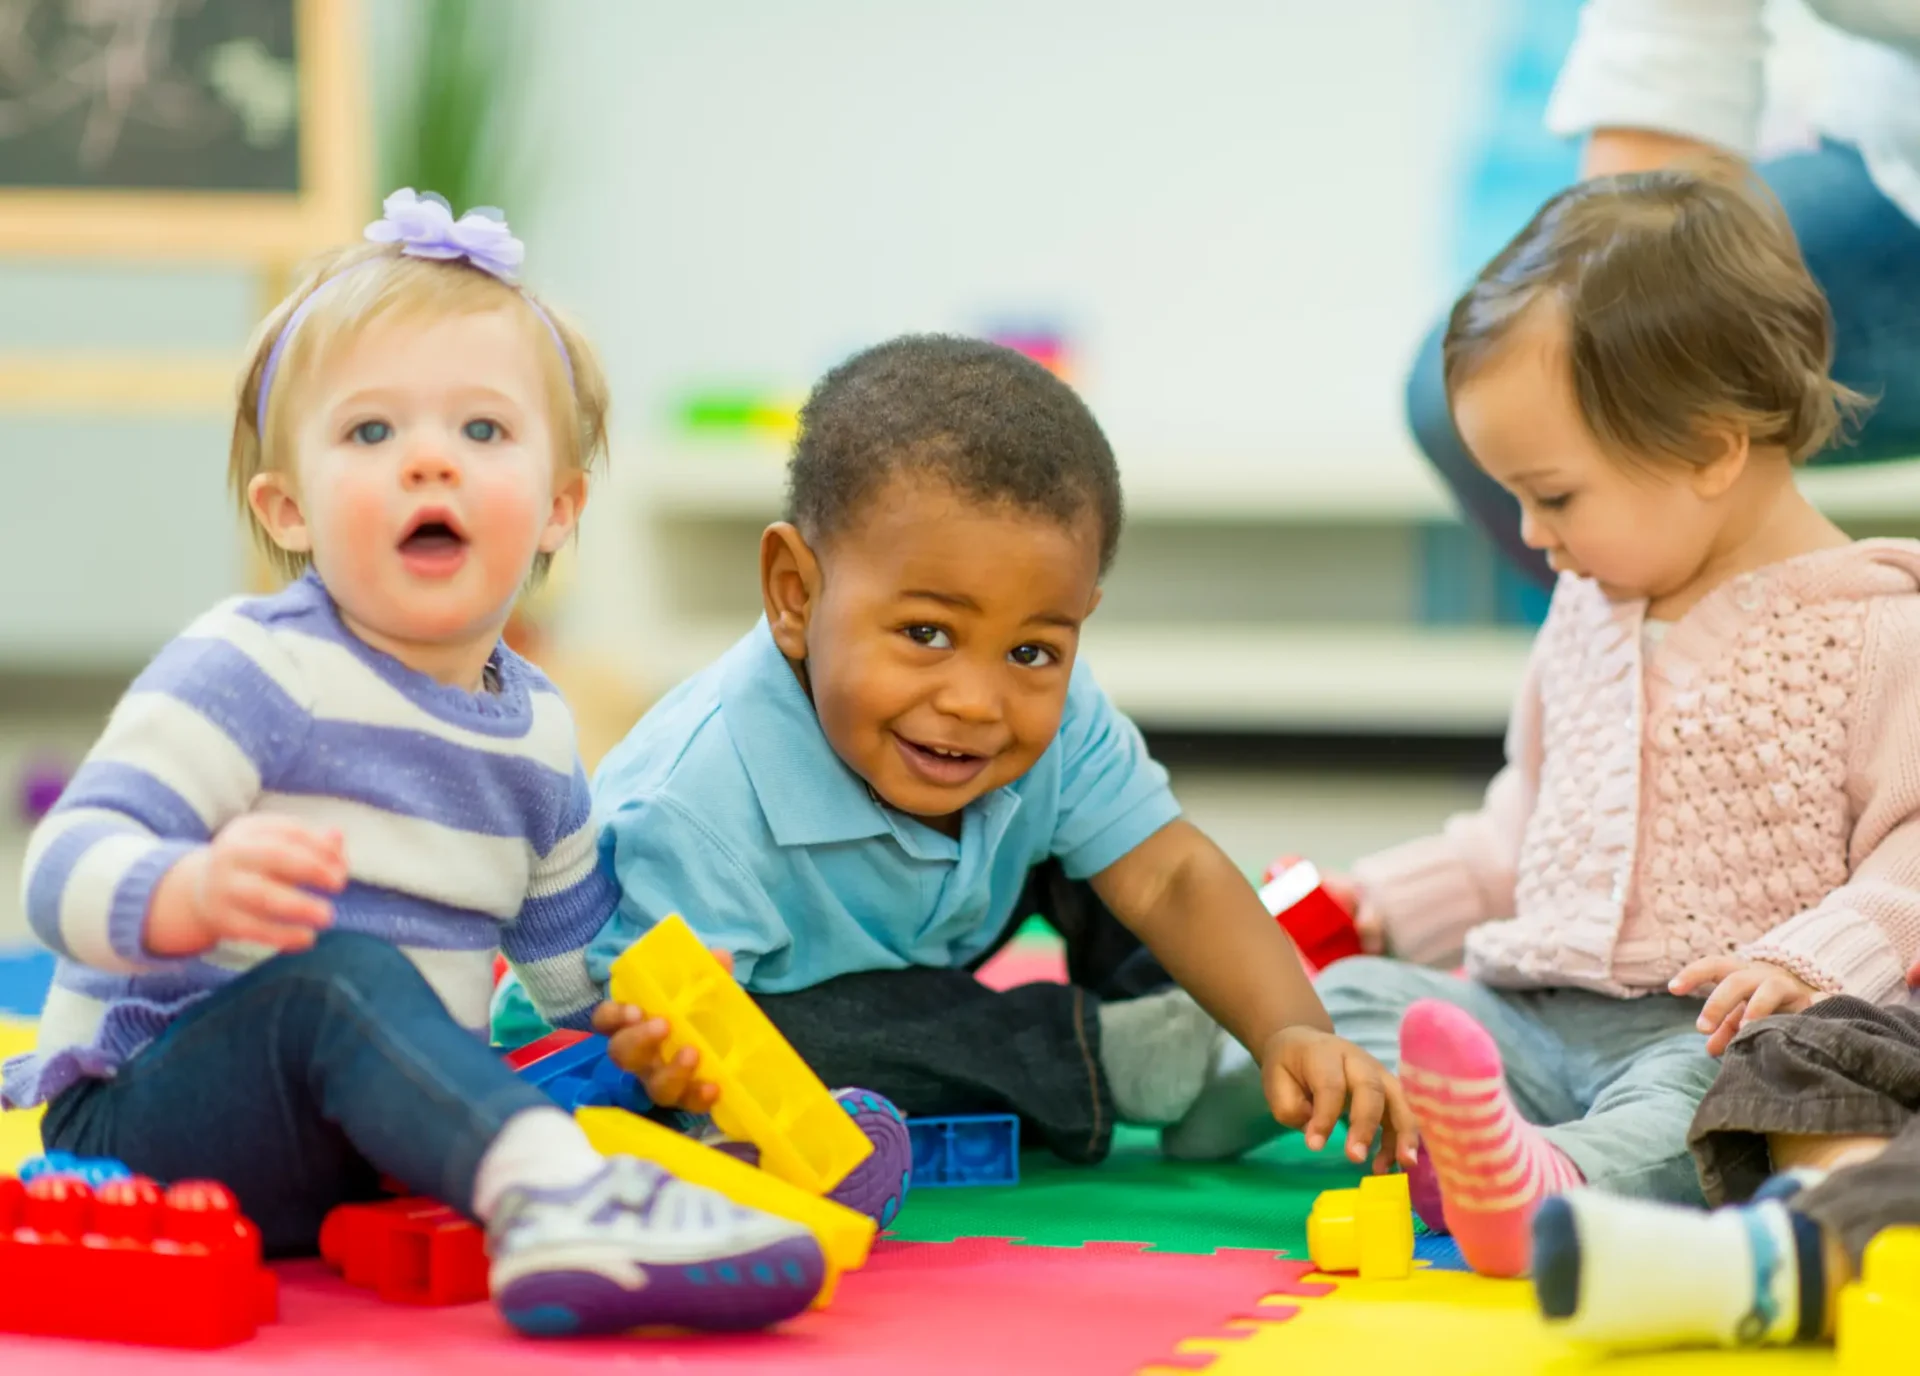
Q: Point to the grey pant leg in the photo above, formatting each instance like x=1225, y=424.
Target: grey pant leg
x=1642, y=1069
x=1366, y=996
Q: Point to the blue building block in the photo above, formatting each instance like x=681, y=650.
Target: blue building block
x=95, y=1171
x=974, y=1149
x=581, y=1076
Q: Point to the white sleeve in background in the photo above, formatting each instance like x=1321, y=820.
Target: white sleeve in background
x=1695, y=68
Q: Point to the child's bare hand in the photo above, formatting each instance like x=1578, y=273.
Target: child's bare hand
x=1311, y=1076
x=636, y=1043
x=1744, y=991
x=258, y=881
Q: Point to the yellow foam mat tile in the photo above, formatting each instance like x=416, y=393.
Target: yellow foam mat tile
x=1449, y=1323
x=19, y=1132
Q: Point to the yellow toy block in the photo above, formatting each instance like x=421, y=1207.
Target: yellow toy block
x=1880, y=1312
x=1369, y=1230
x=845, y=1236
x=768, y=1096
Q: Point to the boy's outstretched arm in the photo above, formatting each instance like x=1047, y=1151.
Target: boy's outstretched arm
x=1180, y=894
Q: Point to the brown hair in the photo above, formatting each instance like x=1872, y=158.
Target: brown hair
x=1687, y=305
x=365, y=283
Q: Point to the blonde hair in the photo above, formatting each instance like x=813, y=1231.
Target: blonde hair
x=369, y=282
x=1687, y=306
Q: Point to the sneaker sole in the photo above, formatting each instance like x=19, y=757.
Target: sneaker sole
x=739, y=1293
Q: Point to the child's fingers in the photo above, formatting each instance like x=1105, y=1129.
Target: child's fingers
x=1771, y=997
x=1285, y=1097
x=636, y=1046
x=701, y=1096
x=279, y=936
x=1724, y=1034
x=724, y=957
x=610, y=1017
x=252, y=896
x=1728, y=995
x=1707, y=970
x=302, y=864
x=1403, y=1131
x=1368, y=1103
x=669, y=1083
x=1327, y=1083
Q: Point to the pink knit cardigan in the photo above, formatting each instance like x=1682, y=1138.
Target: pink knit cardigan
x=1752, y=785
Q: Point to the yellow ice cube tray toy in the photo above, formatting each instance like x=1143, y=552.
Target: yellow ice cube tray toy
x=845, y=1236
x=768, y=1096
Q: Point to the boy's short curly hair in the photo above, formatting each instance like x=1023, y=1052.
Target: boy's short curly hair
x=991, y=422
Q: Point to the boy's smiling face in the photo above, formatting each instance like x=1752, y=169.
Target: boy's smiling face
x=937, y=635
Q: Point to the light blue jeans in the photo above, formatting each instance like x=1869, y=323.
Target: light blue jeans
x=1613, y=1081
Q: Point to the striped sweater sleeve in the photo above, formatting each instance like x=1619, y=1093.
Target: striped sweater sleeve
x=570, y=897
x=182, y=754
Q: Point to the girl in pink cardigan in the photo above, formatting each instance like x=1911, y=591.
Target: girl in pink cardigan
x=1713, y=777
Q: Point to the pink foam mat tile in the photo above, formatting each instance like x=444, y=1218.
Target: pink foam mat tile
x=972, y=1305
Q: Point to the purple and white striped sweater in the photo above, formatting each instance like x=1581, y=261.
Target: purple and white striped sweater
x=466, y=818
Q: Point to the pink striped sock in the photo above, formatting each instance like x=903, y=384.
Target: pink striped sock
x=1494, y=1167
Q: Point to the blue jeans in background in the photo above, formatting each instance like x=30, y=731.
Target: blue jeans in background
x=1864, y=252
x=298, y=1086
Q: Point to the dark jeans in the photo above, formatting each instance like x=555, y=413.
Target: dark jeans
x=1864, y=252
x=1843, y=1068
x=939, y=1042
x=298, y=1086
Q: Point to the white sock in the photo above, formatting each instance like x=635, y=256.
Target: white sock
x=1230, y=1117
x=1646, y=1275
x=542, y=1147
x=1156, y=1051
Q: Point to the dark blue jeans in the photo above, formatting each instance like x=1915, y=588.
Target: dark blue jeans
x=1864, y=252
x=298, y=1086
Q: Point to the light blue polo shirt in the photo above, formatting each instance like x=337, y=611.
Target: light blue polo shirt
x=727, y=805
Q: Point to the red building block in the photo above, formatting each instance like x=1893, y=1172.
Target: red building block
x=130, y=1263
x=538, y=1050
x=409, y=1251
x=1319, y=923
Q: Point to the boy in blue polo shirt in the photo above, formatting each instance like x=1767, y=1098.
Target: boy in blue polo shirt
x=865, y=796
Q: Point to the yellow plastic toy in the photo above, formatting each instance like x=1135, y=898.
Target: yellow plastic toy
x=1369, y=1230
x=845, y=1236
x=1880, y=1312
x=768, y=1096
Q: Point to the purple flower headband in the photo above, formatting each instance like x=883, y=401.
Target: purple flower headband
x=424, y=227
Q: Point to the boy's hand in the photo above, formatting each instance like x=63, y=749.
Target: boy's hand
x=634, y=1043
x=1745, y=991
x=1366, y=918
x=1312, y=1075
x=256, y=882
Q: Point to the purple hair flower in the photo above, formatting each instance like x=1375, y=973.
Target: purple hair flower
x=425, y=228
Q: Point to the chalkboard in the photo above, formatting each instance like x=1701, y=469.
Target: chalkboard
x=205, y=127
x=183, y=95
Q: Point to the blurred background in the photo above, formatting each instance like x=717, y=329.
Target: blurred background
x=1227, y=221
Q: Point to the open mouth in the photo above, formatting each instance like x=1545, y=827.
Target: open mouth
x=941, y=764
x=433, y=534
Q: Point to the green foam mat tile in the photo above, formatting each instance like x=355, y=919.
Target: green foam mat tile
x=1137, y=1195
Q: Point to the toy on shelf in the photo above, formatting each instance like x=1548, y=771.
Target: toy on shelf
x=1319, y=923
x=93, y=1171
x=408, y=1251
x=845, y=1236
x=971, y=1149
x=130, y=1263
x=1368, y=1230
x=1880, y=1312
x=574, y=1070
x=768, y=1096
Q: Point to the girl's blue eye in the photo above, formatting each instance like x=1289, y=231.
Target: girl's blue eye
x=930, y=636
x=1032, y=656
x=482, y=431
x=372, y=432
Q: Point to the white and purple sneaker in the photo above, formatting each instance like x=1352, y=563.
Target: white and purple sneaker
x=877, y=1187
x=633, y=1247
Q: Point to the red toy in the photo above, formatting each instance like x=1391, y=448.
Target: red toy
x=408, y=1251
x=130, y=1263
x=541, y=1048
x=1319, y=923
